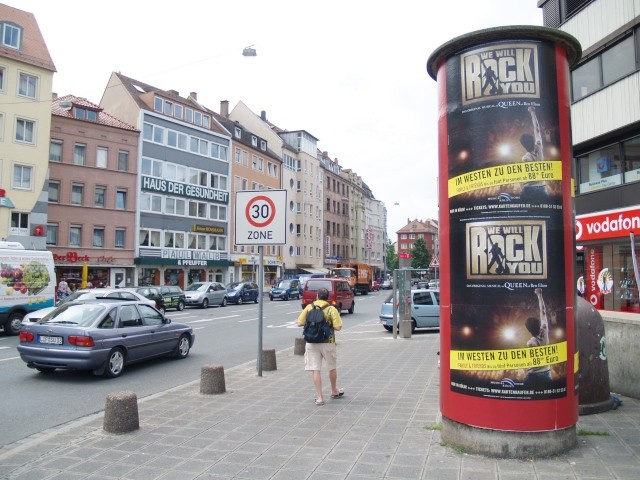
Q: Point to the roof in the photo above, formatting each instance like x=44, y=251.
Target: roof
x=34, y=49
x=59, y=108
x=428, y=226
x=142, y=94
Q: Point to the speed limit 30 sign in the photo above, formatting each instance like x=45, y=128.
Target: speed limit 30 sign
x=261, y=217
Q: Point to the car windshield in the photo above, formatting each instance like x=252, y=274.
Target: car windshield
x=194, y=287
x=234, y=286
x=82, y=315
x=284, y=284
x=318, y=284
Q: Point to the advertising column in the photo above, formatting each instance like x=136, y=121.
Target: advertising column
x=506, y=210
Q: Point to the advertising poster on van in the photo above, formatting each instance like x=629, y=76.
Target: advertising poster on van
x=508, y=326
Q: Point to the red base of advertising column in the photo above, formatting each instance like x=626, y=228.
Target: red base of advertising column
x=507, y=339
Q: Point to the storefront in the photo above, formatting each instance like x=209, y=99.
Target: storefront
x=181, y=272
x=608, y=244
x=101, y=270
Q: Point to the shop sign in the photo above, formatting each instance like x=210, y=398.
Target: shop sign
x=194, y=255
x=70, y=257
x=609, y=224
x=196, y=192
x=208, y=229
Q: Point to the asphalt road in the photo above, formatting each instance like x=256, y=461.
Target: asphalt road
x=32, y=402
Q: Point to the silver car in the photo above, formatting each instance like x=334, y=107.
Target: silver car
x=102, y=335
x=203, y=294
x=425, y=310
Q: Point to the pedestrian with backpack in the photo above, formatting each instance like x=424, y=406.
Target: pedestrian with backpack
x=320, y=321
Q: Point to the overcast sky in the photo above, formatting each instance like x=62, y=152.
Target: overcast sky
x=350, y=72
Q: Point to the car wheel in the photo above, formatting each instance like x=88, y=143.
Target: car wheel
x=353, y=306
x=180, y=306
x=413, y=326
x=205, y=303
x=224, y=302
x=256, y=299
x=387, y=328
x=115, y=363
x=183, y=347
x=45, y=369
x=13, y=324
x=270, y=298
x=239, y=302
x=285, y=298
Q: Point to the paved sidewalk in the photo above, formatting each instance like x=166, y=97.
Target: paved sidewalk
x=385, y=427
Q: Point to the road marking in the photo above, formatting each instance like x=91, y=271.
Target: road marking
x=10, y=358
x=286, y=325
x=247, y=320
x=3, y=348
x=212, y=319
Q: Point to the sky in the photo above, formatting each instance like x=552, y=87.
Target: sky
x=352, y=73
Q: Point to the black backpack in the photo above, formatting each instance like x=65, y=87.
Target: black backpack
x=316, y=328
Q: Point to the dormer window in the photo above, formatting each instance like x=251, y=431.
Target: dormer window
x=254, y=141
x=85, y=114
x=11, y=36
x=263, y=145
x=238, y=132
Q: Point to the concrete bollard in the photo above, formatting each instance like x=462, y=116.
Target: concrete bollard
x=300, y=346
x=269, y=359
x=212, y=379
x=121, y=413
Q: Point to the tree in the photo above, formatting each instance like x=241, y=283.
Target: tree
x=420, y=256
x=392, y=257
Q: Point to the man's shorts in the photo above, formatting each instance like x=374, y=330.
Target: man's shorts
x=315, y=352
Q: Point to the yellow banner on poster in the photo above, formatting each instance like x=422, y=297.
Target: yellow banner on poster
x=504, y=175
x=511, y=359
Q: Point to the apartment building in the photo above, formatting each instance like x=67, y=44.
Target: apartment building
x=336, y=212
x=605, y=124
x=182, y=211
x=26, y=77
x=375, y=215
x=254, y=166
x=426, y=229
x=91, y=193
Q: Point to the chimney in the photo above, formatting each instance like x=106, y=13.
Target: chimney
x=194, y=95
x=263, y=116
x=224, y=108
x=54, y=96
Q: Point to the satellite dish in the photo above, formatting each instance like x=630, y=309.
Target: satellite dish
x=65, y=105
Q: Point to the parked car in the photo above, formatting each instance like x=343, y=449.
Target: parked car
x=241, y=292
x=85, y=294
x=386, y=285
x=102, y=335
x=425, y=310
x=152, y=293
x=174, y=297
x=203, y=294
x=285, y=290
x=340, y=294
x=303, y=277
x=434, y=284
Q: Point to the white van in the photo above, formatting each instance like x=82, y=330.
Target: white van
x=27, y=283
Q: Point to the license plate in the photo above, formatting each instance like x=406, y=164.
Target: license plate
x=50, y=340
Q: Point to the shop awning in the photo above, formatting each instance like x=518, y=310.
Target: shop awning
x=315, y=270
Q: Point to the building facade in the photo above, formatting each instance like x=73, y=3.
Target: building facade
x=407, y=235
x=605, y=123
x=336, y=212
x=91, y=193
x=182, y=211
x=26, y=77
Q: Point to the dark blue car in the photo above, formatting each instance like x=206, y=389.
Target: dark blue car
x=285, y=290
x=242, y=292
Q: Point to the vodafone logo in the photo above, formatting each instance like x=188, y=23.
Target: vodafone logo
x=611, y=224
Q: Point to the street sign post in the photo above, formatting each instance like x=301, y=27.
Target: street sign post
x=261, y=219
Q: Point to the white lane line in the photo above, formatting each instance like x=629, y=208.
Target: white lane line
x=10, y=358
x=212, y=319
x=247, y=320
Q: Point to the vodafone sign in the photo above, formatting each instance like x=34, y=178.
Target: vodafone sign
x=609, y=224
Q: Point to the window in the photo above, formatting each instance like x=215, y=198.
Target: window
x=631, y=151
x=25, y=130
x=618, y=61
x=254, y=141
x=27, y=85
x=121, y=200
x=177, y=111
x=150, y=202
x=263, y=145
x=77, y=192
x=123, y=161
x=79, y=154
x=98, y=237
x=55, y=151
x=52, y=233
x=85, y=114
x=238, y=133
x=2, y=77
x=54, y=192
x=19, y=223
x=75, y=236
x=101, y=157
x=119, y=238
x=100, y=194
x=11, y=36
x=599, y=169
x=149, y=238
x=22, y=177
